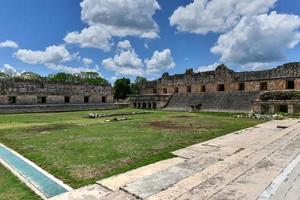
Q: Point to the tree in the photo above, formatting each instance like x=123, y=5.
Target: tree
x=30, y=76
x=63, y=78
x=137, y=85
x=122, y=88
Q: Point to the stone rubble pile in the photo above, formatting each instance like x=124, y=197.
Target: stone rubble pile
x=260, y=116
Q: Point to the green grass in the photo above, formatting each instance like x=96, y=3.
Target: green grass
x=80, y=151
x=12, y=188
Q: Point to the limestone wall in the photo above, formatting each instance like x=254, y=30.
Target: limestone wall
x=190, y=82
x=30, y=92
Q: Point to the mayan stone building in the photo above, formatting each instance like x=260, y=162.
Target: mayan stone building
x=223, y=89
x=43, y=96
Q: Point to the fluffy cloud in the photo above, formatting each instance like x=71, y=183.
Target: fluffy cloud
x=206, y=68
x=10, y=71
x=9, y=44
x=160, y=61
x=87, y=61
x=124, y=45
x=203, y=16
x=108, y=18
x=259, y=39
x=52, y=54
x=125, y=63
x=93, y=37
x=52, y=58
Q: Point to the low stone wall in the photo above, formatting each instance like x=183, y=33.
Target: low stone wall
x=6, y=109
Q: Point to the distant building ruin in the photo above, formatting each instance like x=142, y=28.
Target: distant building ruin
x=35, y=95
x=222, y=90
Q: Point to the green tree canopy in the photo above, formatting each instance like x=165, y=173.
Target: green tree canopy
x=137, y=85
x=122, y=88
x=30, y=76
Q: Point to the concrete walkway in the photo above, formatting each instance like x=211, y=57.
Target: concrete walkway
x=256, y=163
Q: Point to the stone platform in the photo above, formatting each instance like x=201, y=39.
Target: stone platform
x=261, y=162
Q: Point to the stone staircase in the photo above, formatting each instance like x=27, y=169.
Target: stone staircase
x=240, y=165
x=221, y=101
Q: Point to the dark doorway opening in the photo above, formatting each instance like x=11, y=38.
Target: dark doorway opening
x=176, y=90
x=103, y=99
x=154, y=105
x=241, y=86
x=165, y=90
x=42, y=100
x=86, y=99
x=203, y=88
x=221, y=87
x=12, y=100
x=282, y=108
x=290, y=85
x=264, y=86
x=67, y=99
x=189, y=89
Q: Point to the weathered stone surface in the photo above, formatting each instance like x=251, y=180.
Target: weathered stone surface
x=91, y=192
x=115, y=182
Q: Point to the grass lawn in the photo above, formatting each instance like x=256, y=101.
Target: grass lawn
x=80, y=151
x=12, y=188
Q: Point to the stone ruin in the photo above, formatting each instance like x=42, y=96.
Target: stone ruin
x=222, y=90
x=40, y=95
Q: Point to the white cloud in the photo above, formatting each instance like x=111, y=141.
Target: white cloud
x=124, y=45
x=9, y=44
x=206, y=68
x=259, y=39
x=52, y=58
x=109, y=18
x=87, y=61
x=160, y=61
x=203, y=16
x=10, y=71
x=92, y=37
x=125, y=63
x=52, y=54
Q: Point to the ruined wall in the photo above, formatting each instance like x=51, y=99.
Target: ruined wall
x=190, y=82
x=30, y=92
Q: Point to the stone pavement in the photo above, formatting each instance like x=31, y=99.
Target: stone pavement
x=260, y=162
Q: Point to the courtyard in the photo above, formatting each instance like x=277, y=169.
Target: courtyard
x=80, y=151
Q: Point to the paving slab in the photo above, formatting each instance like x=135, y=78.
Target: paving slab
x=90, y=192
x=247, y=137
x=289, y=189
x=159, y=181
x=251, y=185
x=115, y=182
x=241, y=161
x=213, y=185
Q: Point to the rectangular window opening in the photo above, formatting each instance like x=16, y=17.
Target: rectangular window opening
x=221, y=87
x=103, y=99
x=12, y=100
x=176, y=90
x=264, y=86
x=86, y=99
x=290, y=85
x=42, y=100
x=203, y=89
x=189, y=89
x=241, y=86
x=67, y=99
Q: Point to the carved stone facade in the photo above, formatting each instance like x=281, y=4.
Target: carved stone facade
x=283, y=77
x=30, y=93
x=224, y=81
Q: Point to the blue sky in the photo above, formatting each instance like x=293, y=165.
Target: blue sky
x=147, y=37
